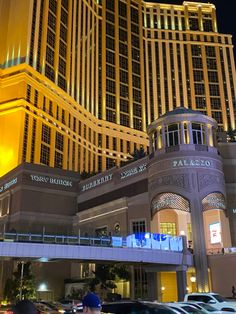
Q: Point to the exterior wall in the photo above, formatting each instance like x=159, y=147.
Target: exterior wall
x=228, y=153
x=10, y=140
x=32, y=102
x=223, y=273
x=15, y=20
x=36, y=199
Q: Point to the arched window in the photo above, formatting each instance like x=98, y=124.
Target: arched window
x=172, y=134
x=169, y=201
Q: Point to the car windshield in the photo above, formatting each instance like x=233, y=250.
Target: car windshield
x=208, y=307
x=191, y=309
x=135, y=308
x=219, y=298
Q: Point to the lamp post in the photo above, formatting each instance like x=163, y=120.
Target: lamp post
x=21, y=278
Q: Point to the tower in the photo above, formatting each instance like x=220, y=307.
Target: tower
x=81, y=80
x=186, y=177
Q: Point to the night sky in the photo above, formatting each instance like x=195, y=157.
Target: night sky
x=225, y=15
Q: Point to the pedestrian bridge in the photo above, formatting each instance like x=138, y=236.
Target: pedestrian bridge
x=142, y=248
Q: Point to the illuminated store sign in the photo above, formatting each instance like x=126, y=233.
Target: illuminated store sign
x=191, y=163
x=133, y=171
x=216, y=202
x=7, y=185
x=215, y=233
x=97, y=182
x=51, y=180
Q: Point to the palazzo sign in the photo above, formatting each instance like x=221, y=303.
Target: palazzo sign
x=192, y=163
x=7, y=185
x=96, y=182
x=51, y=180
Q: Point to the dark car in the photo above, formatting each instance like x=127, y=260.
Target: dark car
x=135, y=307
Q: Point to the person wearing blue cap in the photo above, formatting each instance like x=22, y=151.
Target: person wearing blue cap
x=91, y=304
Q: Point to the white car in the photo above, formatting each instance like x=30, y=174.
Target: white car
x=207, y=308
x=182, y=308
x=214, y=299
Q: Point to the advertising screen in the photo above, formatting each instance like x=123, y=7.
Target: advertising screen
x=215, y=233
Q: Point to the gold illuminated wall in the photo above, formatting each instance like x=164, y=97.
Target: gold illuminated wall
x=81, y=80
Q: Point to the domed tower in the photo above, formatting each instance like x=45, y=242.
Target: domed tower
x=186, y=184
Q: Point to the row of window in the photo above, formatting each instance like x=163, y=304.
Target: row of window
x=173, y=134
x=139, y=226
x=178, y=23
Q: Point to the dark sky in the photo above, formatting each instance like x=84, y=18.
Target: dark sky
x=225, y=15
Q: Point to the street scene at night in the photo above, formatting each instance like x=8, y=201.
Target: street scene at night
x=117, y=157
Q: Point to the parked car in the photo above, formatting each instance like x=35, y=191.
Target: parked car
x=207, y=308
x=45, y=309
x=135, y=307
x=182, y=308
x=214, y=299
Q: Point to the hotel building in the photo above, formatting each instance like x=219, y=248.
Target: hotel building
x=80, y=81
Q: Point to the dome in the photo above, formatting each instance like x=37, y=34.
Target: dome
x=181, y=110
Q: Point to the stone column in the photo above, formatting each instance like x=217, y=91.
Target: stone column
x=199, y=246
x=182, y=135
x=206, y=134
x=163, y=134
x=152, y=286
x=132, y=293
x=214, y=20
x=210, y=135
x=181, y=284
x=190, y=132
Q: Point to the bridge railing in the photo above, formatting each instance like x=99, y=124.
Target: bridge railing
x=224, y=250
x=141, y=240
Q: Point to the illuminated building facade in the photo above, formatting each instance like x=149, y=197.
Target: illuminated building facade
x=81, y=80
x=186, y=186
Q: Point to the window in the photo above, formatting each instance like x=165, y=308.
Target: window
x=4, y=205
x=189, y=228
x=46, y=134
x=59, y=141
x=101, y=232
x=198, y=134
x=138, y=226
x=45, y=155
x=168, y=228
x=58, y=160
x=172, y=133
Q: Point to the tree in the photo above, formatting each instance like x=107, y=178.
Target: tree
x=231, y=134
x=22, y=283
x=105, y=276
x=139, y=153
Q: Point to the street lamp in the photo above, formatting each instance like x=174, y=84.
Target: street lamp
x=21, y=278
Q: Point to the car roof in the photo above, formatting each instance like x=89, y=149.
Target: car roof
x=202, y=293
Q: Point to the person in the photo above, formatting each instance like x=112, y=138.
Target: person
x=233, y=292
x=91, y=304
x=24, y=307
